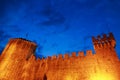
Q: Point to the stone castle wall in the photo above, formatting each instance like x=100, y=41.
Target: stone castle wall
x=18, y=62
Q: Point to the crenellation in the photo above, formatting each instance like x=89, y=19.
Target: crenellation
x=85, y=66
x=104, y=38
x=81, y=54
x=105, y=44
x=94, y=40
x=66, y=56
x=104, y=41
x=96, y=46
x=54, y=57
x=49, y=58
x=89, y=53
x=98, y=38
x=60, y=56
x=112, y=40
x=74, y=55
x=38, y=60
x=43, y=59
x=32, y=58
x=111, y=37
x=101, y=45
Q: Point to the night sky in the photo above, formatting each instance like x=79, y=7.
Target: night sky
x=59, y=26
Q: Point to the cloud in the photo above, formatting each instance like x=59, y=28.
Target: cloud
x=6, y=4
x=54, y=19
x=52, y=15
x=9, y=10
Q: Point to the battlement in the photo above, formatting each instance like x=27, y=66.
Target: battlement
x=104, y=41
x=68, y=56
x=18, y=62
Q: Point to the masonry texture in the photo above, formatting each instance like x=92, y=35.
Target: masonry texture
x=17, y=62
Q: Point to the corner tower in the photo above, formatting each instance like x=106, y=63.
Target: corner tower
x=104, y=41
x=104, y=46
x=13, y=56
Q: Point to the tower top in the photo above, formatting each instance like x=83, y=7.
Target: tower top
x=23, y=47
x=104, y=41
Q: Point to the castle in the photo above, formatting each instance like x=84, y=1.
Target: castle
x=17, y=62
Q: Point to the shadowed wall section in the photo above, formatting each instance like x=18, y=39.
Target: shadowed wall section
x=19, y=63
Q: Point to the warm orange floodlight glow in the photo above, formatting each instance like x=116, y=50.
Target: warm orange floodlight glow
x=102, y=76
x=7, y=60
x=71, y=77
x=68, y=78
x=18, y=62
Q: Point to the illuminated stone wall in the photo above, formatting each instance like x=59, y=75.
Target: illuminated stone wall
x=18, y=62
x=14, y=58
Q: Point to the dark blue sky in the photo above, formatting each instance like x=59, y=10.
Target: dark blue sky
x=59, y=26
